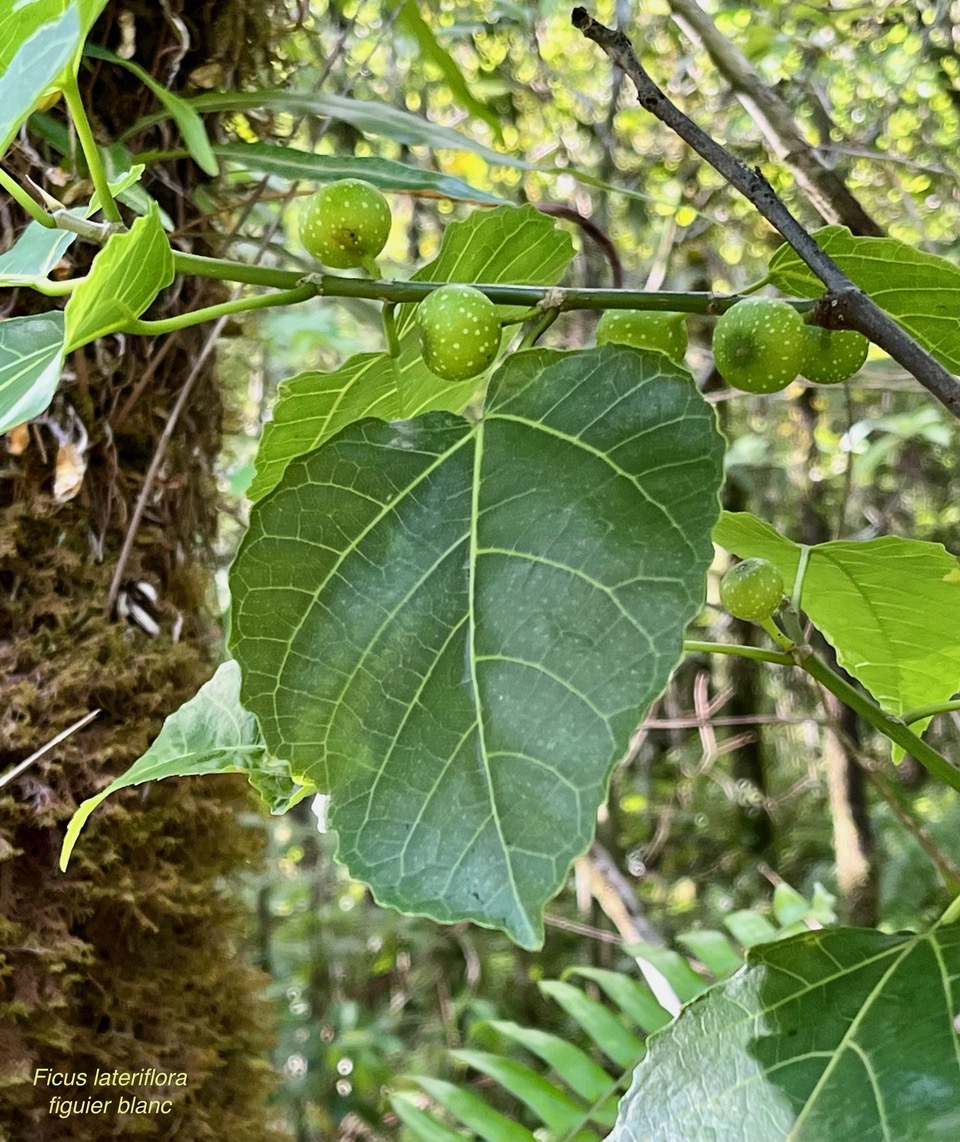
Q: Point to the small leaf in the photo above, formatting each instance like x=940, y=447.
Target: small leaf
x=31, y=356
x=921, y=291
x=555, y=1109
x=288, y=162
x=617, y=1042
x=836, y=1034
x=126, y=275
x=419, y=1123
x=211, y=733
x=581, y=1074
x=890, y=607
x=191, y=127
x=473, y=1112
x=634, y=999
x=33, y=256
x=714, y=951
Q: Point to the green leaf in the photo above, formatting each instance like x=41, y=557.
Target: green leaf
x=749, y=928
x=835, y=1034
x=31, y=355
x=126, y=275
x=633, y=999
x=191, y=127
x=890, y=607
x=288, y=162
x=617, y=1042
x=39, y=41
x=420, y=1123
x=510, y=244
x=411, y=21
x=714, y=951
x=30, y=259
x=581, y=1074
x=555, y=1109
x=37, y=251
x=453, y=627
x=211, y=733
x=919, y=290
x=473, y=1112
x=378, y=119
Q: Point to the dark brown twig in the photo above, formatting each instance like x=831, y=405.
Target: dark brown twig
x=844, y=306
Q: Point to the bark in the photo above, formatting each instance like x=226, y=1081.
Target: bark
x=133, y=959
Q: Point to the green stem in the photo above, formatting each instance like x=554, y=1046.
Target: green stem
x=390, y=329
x=33, y=208
x=758, y=654
x=777, y=634
x=213, y=312
x=78, y=113
x=893, y=728
x=333, y=285
x=538, y=328
x=227, y=271
x=921, y=712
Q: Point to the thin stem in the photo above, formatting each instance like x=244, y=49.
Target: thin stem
x=538, y=328
x=78, y=113
x=844, y=306
x=30, y=205
x=921, y=712
x=390, y=329
x=758, y=654
x=214, y=312
x=777, y=634
x=333, y=285
x=893, y=728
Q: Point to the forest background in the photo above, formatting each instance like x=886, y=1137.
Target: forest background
x=740, y=785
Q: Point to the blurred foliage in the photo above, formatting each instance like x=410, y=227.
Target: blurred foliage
x=364, y=993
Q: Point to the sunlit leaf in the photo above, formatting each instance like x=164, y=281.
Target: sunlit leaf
x=890, y=607
x=126, y=275
x=288, y=162
x=920, y=290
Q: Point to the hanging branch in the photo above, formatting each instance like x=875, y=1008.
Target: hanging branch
x=845, y=306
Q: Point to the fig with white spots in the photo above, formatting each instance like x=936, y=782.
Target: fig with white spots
x=645, y=329
x=346, y=224
x=833, y=355
x=752, y=590
x=459, y=332
x=759, y=345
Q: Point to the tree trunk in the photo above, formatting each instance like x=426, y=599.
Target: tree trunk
x=133, y=959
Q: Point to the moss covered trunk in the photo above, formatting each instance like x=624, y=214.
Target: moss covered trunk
x=133, y=959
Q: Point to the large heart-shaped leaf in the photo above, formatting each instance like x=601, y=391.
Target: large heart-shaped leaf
x=920, y=290
x=837, y=1034
x=453, y=627
x=31, y=354
x=312, y=406
x=890, y=607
